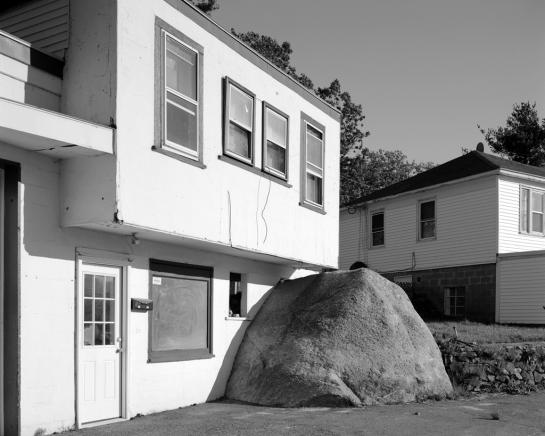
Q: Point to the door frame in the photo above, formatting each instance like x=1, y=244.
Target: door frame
x=111, y=260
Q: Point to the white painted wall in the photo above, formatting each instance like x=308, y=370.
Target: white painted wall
x=521, y=290
x=510, y=237
x=466, y=229
x=43, y=23
x=26, y=84
x=47, y=309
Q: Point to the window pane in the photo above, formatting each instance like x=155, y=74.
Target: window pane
x=524, y=209
x=314, y=189
x=88, y=285
x=99, y=286
x=239, y=141
x=314, y=149
x=241, y=108
x=110, y=310
x=235, y=294
x=110, y=290
x=427, y=210
x=537, y=222
x=99, y=334
x=181, y=122
x=537, y=202
x=181, y=65
x=88, y=309
x=277, y=128
x=276, y=157
x=377, y=221
x=427, y=229
x=88, y=334
x=378, y=238
x=109, y=334
x=99, y=310
x=180, y=314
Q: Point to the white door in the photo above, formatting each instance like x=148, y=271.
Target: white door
x=99, y=371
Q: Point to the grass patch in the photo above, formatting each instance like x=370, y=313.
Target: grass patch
x=486, y=333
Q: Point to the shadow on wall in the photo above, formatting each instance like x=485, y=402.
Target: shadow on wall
x=222, y=378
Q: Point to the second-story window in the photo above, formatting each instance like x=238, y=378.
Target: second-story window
x=275, y=141
x=239, y=122
x=427, y=220
x=181, y=97
x=312, y=159
x=377, y=229
x=532, y=209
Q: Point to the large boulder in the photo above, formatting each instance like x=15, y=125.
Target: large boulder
x=346, y=338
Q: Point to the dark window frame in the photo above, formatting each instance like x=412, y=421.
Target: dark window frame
x=383, y=229
x=227, y=83
x=162, y=29
x=420, y=220
x=180, y=270
x=307, y=120
x=274, y=173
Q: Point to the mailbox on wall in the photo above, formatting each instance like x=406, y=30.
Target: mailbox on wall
x=141, y=305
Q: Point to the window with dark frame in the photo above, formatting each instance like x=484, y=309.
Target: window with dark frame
x=455, y=301
x=181, y=98
x=532, y=209
x=275, y=141
x=235, y=295
x=377, y=229
x=239, y=122
x=427, y=219
x=180, y=322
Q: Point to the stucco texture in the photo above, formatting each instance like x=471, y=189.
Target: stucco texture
x=347, y=338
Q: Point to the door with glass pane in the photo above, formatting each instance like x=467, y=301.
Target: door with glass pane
x=100, y=343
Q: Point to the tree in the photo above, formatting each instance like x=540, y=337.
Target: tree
x=523, y=137
x=373, y=170
x=207, y=6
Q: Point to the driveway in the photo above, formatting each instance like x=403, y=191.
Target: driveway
x=484, y=415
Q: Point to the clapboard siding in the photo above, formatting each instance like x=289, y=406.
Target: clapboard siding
x=42, y=23
x=466, y=228
x=521, y=290
x=351, y=237
x=510, y=238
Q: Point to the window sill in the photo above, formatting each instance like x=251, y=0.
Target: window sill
x=179, y=356
x=434, y=238
x=252, y=169
x=534, y=235
x=178, y=156
x=377, y=247
x=312, y=207
x=237, y=318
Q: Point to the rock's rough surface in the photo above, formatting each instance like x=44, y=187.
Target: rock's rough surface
x=345, y=338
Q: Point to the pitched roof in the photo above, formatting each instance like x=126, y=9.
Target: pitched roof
x=467, y=165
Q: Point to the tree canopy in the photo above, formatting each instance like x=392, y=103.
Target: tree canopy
x=207, y=6
x=522, y=139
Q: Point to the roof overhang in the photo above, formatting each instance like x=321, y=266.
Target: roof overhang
x=51, y=133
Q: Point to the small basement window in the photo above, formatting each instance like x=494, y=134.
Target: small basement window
x=237, y=297
x=455, y=301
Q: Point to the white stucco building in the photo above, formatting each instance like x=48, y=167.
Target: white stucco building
x=145, y=154
x=465, y=239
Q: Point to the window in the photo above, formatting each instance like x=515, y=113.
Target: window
x=239, y=122
x=427, y=219
x=532, y=204
x=377, y=229
x=312, y=158
x=237, y=295
x=455, y=301
x=180, y=322
x=181, y=96
x=275, y=141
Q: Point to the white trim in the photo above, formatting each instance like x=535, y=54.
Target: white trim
x=535, y=253
x=520, y=175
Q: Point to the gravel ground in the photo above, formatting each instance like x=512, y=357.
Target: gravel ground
x=485, y=415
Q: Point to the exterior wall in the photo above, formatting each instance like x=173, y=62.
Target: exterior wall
x=428, y=287
x=223, y=203
x=510, y=237
x=47, y=270
x=521, y=289
x=351, y=237
x=42, y=23
x=466, y=226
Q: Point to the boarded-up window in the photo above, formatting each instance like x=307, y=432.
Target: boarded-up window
x=180, y=319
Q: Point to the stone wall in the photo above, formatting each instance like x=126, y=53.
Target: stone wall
x=427, y=290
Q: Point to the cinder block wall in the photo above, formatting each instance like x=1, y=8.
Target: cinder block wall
x=427, y=290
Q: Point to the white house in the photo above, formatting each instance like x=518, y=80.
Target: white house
x=157, y=178
x=465, y=239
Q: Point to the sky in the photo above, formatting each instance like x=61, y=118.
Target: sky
x=425, y=71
